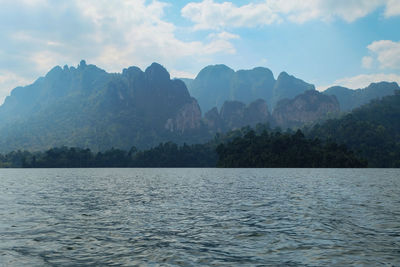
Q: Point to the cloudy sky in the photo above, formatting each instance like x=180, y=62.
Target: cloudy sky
x=325, y=42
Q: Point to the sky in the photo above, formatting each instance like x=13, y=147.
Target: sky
x=325, y=42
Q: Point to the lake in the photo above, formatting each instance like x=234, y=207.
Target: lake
x=199, y=217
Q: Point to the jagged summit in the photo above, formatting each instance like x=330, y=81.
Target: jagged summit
x=214, y=70
x=350, y=99
x=82, y=64
x=157, y=72
x=216, y=84
x=88, y=107
x=308, y=107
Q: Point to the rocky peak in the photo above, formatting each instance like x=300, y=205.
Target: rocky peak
x=212, y=114
x=131, y=72
x=135, y=77
x=263, y=71
x=283, y=76
x=382, y=86
x=257, y=112
x=214, y=70
x=54, y=72
x=235, y=114
x=231, y=108
x=157, y=74
x=82, y=64
x=213, y=120
x=350, y=98
x=308, y=107
x=288, y=86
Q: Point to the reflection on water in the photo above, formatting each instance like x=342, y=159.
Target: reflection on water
x=199, y=217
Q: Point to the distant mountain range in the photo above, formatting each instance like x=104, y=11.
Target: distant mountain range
x=218, y=83
x=350, y=99
x=88, y=107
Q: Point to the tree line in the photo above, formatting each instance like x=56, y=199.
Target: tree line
x=240, y=148
x=164, y=155
x=285, y=150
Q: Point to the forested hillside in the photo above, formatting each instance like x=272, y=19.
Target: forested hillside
x=277, y=150
x=372, y=131
x=87, y=107
x=350, y=99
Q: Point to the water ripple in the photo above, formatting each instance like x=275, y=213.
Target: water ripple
x=199, y=217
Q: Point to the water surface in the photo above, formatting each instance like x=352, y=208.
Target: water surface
x=197, y=217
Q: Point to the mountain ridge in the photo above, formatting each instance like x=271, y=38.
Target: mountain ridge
x=225, y=84
x=350, y=99
x=87, y=107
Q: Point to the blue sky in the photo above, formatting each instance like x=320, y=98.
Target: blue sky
x=324, y=42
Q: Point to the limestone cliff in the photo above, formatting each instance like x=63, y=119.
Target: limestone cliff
x=308, y=107
x=188, y=118
x=235, y=114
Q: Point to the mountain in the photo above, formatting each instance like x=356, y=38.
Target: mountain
x=85, y=106
x=372, y=131
x=287, y=87
x=88, y=107
x=235, y=114
x=350, y=99
x=188, y=81
x=218, y=83
x=211, y=87
x=308, y=107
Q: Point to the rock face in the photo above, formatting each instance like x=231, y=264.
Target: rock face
x=218, y=83
x=187, y=119
x=88, y=107
x=287, y=87
x=211, y=87
x=350, y=99
x=257, y=112
x=308, y=107
x=235, y=114
x=250, y=85
x=232, y=114
x=213, y=120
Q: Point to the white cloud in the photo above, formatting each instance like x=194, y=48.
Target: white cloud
x=220, y=42
x=10, y=80
x=45, y=60
x=111, y=34
x=392, y=8
x=214, y=15
x=325, y=10
x=223, y=36
x=133, y=32
x=363, y=80
x=182, y=74
x=211, y=15
x=387, y=53
x=31, y=3
x=367, y=62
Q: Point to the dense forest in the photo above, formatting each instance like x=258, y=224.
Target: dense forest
x=277, y=150
x=367, y=137
x=240, y=148
x=371, y=131
x=164, y=155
